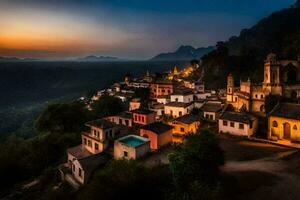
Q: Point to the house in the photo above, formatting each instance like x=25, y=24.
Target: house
x=202, y=95
x=81, y=164
x=123, y=118
x=211, y=110
x=238, y=123
x=183, y=125
x=86, y=157
x=159, y=109
x=284, y=122
x=135, y=104
x=143, y=117
x=182, y=95
x=163, y=99
x=159, y=134
x=177, y=109
x=161, y=88
x=131, y=147
x=101, y=132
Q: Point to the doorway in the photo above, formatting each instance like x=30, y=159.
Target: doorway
x=286, y=131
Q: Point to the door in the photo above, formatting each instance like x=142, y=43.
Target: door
x=287, y=131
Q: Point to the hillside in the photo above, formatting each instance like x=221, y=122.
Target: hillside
x=243, y=55
x=183, y=53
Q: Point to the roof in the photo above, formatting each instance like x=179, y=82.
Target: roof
x=183, y=92
x=187, y=119
x=286, y=110
x=79, y=152
x=178, y=104
x=211, y=107
x=126, y=115
x=92, y=162
x=238, y=117
x=157, y=127
x=142, y=111
x=101, y=123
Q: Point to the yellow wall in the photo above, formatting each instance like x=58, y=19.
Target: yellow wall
x=279, y=130
x=178, y=134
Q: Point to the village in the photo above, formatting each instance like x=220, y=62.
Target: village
x=177, y=104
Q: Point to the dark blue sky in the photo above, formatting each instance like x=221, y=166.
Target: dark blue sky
x=125, y=28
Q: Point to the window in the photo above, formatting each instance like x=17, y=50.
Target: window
x=84, y=141
x=211, y=117
x=120, y=121
x=135, y=118
x=73, y=166
x=169, y=91
x=163, y=91
x=236, y=99
x=295, y=127
x=256, y=96
x=180, y=113
x=143, y=119
x=232, y=124
x=127, y=122
x=171, y=112
x=262, y=96
x=176, y=99
x=154, y=90
x=79, y=172
x=139, y=118
x=182, y=130
x=95, y=133
x=207, y=116
x=96, y=146
x=89, y=143
x=241, y=126
x=274, y=124
x=225, y=123
x=125, y=153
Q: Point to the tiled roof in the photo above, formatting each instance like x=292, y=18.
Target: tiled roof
x=187, y=119
x=211, y=107
x=178, y=104
x=238, y=117
x=101, y=123
x=286, y=110
x=142, y=111
x=157, y=127
x=183, y=92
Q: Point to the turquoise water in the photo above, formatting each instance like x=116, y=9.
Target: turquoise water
x=132, y=141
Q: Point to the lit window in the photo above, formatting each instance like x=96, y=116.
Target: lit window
x=275, y=124
x=182, y=130
x=241, y=126
x=225, y=123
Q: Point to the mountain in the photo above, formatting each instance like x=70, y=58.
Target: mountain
x=244, y=55
x=93, y=58
x=183, y=53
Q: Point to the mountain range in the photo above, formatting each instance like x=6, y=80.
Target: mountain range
x=184, y=52
x=93, y=58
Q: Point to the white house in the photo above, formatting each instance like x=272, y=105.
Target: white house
x=177, y=109
x=131, y=147
x=185, y=96
x=241, y=124
x=163, y=99
x=211, y=110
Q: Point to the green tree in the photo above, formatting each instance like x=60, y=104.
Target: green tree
x=196, y=163
x=62, y=117
x=107, y=105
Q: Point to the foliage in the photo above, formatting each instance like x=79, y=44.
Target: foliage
x=123, y=179
x=107, y=105
x=196, y=164
x=62, y=117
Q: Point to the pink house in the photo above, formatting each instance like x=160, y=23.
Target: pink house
x=158, y=133
x=143, y=117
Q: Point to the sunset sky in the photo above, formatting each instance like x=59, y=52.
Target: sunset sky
x=139, y=29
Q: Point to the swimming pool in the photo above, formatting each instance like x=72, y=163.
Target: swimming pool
x=133, y=141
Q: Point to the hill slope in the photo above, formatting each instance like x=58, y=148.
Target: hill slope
x=183, y=53
x=244, y=55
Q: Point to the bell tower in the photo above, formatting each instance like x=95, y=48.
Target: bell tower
x=272, y=83
x=230, y=88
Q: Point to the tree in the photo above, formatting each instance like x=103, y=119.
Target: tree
x=107, y=105
x=123, y=179
x=196, y=164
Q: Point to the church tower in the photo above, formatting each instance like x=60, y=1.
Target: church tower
x=230, y=88
x=272, y=83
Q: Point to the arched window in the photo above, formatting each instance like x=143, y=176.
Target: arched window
x=275, y=124
x=295, y=127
